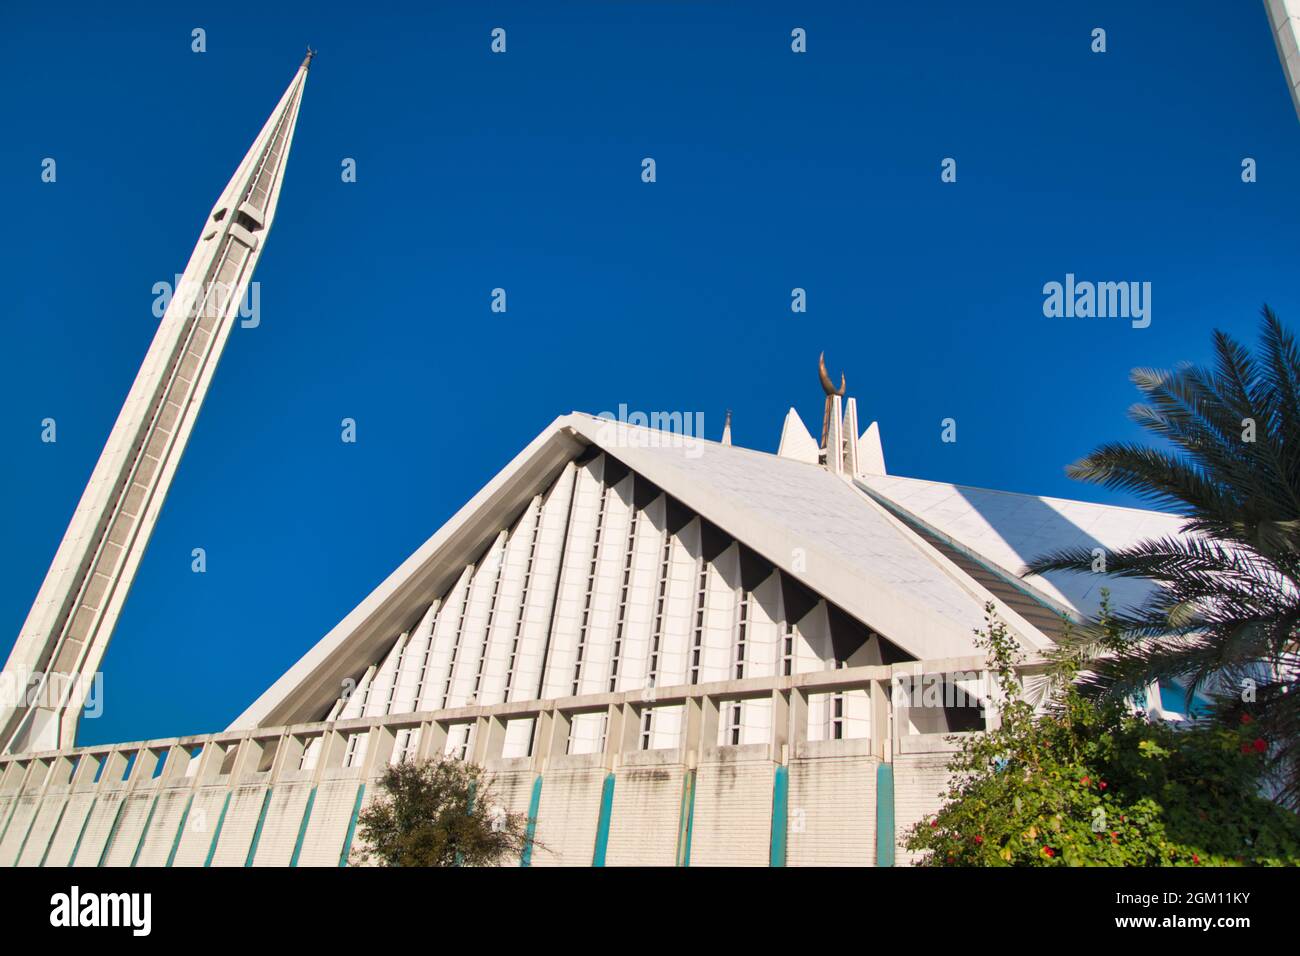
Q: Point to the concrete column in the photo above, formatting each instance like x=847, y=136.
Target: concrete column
x=114, y=767
x=333, y=745
x=146, y=762
x=780, y=738
x=543, y=731
x=247, y=755
x=797, y=719
x=379, y=751
x=882, y=745
x=898, y=705
x=38, y=776
x=992, y=714
x=175, y=762
x=15, y=776
x=631, y=736
x=613, y=735
x=283, y=748
x=83, y=774
x=60, y=772
x=433, y=740
x=689, y=741
x=210, y=762
x=489, y=739
x=559, y=736
x=295, y=745
x=708, y=723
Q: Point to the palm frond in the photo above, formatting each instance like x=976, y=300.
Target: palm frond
x=1222, y=618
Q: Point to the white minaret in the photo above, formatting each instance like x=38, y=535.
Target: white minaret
x=1284, y=19
x=59, y=649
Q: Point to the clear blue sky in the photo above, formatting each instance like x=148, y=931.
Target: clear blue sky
x=775, y=170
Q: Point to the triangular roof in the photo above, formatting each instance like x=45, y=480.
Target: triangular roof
x=833, y=536
x=1005, y=530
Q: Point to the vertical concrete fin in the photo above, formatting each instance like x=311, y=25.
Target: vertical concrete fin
x=851, y=436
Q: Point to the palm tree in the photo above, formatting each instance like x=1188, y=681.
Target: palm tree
x=1225, y=617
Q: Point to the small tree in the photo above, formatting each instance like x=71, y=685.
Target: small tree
x=440, y=813
x=1089, y=783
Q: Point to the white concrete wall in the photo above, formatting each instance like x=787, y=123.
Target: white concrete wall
x=65, y=837
x=646, y=816
x=733, y=809
x=919, y=779
x=19, y=822
x=331, y=812
x=129, y=829
x=237, y=830
x=281, y=824
x=200, y=827
x=157, y=842
x=38, y=838
x=569, y=812
x=831, y=813
x=94, y=836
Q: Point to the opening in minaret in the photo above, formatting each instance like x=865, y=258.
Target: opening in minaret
x=248, y=222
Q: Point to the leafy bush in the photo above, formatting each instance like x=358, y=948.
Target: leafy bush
x=1089, y=783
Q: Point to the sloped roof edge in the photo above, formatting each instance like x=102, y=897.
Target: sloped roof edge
x=315, y=679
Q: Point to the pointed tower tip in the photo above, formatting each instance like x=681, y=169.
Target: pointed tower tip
x=306, y=61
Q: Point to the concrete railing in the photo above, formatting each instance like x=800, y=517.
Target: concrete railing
x=156, y=785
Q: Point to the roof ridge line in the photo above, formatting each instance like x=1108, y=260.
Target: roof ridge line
x=959, y=576
x=1027, y=494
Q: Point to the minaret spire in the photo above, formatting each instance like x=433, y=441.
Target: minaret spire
x=63, y=640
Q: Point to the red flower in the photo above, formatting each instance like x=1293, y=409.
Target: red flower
x=1049, y=852
x=1085, y=781
x=1260, y=746
x=1246, y=718
x=979, y=840
x=1196, y=859
x=1102, y=784
x=934, y=822
x=1245, y=748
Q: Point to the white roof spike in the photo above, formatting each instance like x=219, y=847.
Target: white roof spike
x=796, y=442
x=852, y=461
x=871, y=456
x=726, y=429
x=835, y=434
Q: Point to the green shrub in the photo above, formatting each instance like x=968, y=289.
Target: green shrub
x=1091, y=784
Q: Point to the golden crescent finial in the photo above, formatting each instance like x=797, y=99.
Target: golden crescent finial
x=827, y=385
